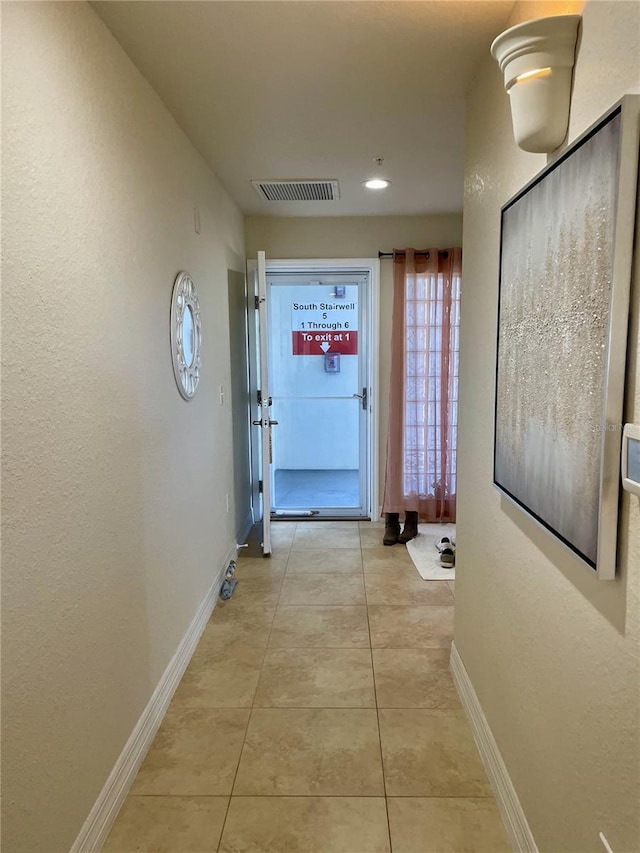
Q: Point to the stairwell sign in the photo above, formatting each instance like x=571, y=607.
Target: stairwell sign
x=321, y=327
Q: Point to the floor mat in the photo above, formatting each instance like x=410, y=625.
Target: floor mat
x=426, y=556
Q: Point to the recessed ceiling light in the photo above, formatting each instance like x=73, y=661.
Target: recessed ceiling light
x=376, y=184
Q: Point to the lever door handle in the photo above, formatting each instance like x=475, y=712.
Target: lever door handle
x=259, y=423
x=363, y=397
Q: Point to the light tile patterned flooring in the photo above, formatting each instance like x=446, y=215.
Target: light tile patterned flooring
x=317, y=715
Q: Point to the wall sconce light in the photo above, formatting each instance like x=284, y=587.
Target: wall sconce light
x=537, y=60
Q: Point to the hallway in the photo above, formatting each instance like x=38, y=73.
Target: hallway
x=320, y=689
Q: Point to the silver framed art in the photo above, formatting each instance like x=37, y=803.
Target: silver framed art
x=565, y=271
x=186, y=335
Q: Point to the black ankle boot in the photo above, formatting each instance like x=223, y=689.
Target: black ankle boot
x=410, y=530
x=391, y=528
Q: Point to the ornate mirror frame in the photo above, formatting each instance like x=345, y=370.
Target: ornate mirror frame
x=185, y=351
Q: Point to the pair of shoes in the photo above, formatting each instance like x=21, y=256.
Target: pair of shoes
x=447, y=548
x=392, y=528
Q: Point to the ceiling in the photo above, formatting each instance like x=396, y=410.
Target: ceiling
x=308, y=90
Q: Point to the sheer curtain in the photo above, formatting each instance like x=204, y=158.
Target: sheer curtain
x=423, y=402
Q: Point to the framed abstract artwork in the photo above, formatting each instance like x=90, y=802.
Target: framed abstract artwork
x=565, y=272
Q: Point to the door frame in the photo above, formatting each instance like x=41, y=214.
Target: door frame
x=349, y=265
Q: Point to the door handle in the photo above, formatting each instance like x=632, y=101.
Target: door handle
x=259, y=423
x=363, y=397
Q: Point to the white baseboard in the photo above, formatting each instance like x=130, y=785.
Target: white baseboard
x=105, y=809
x=512, y=813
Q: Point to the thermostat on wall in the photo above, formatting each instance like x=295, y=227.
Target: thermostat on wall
x=631, y=458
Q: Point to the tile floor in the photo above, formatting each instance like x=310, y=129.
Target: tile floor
x=317, y=715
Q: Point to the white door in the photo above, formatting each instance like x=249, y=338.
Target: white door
x=265, y=422
x=260, y=401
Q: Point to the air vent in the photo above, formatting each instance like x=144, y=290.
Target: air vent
x=297, y=190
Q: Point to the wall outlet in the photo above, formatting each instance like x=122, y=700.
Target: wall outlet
x=222, y=395
x=228, y=503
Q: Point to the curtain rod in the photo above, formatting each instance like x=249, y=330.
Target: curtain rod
x=424, y=252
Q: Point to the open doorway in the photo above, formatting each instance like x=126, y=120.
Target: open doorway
x=317, y=331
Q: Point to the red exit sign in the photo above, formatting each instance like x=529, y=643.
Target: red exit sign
x=320, y=343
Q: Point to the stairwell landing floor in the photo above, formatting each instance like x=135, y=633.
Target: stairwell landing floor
x=317, y=715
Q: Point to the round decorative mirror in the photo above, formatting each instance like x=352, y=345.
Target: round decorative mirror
x=186, y=335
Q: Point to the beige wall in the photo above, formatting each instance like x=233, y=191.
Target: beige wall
x=552, y=652
x=356, y=237
x=114, y=516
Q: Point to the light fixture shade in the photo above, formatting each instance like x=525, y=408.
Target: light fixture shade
x=536, y=59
